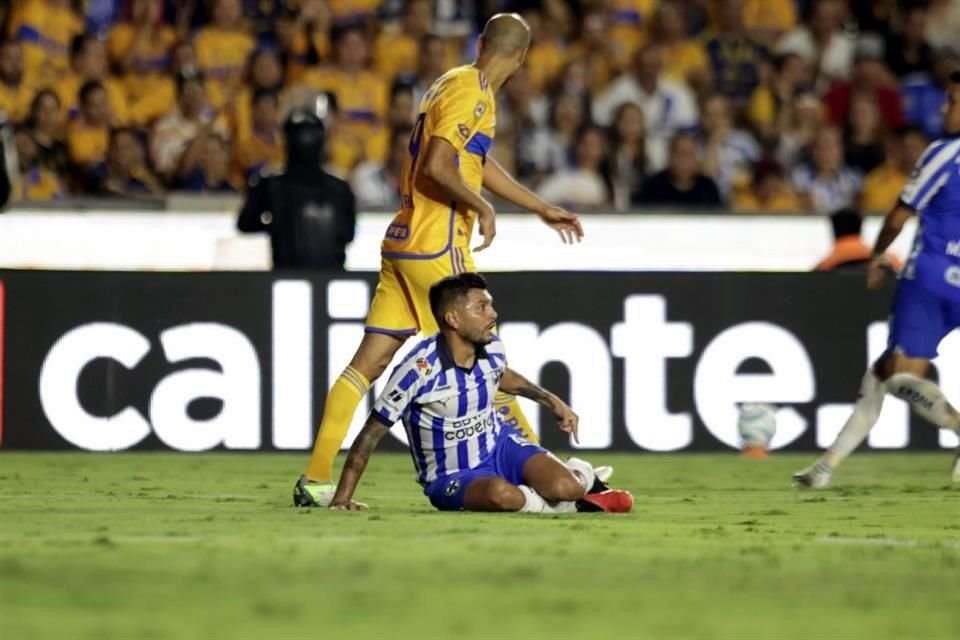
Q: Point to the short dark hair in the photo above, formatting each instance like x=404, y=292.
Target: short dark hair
x=452, y=289
x=88, y=88
x=846, y=222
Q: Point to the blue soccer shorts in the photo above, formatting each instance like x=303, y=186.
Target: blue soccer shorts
x=509, y=456
x=919, y=320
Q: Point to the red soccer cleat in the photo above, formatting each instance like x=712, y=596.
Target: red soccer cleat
x=610, y=501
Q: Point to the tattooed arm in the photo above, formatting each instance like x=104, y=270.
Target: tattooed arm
x=367, y=440
x=515, y=384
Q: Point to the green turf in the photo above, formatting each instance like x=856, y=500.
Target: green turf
x=199, y=546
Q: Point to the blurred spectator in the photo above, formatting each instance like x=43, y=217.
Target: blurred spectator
x=140, y=50
x=682, y=183
x=264, y=73
x=597, y=51
x=768, y=20
x=101, y=15
x=362, y=98
x=353, y=12
x=629, y=23
x=205, y=166
x=684, y=59
x=943, y=23
x=627, y=158
x=125, y=172
x=548, y=51
x=907, y=51
x=822, y=44
x=924, y=96
x=573, y=81
x=377, y=186
x=874, y=16
x=583, y=185
x=223, y=48
x=727, y=152
x=189, y=119
x=520, y=113
x=863, y=134
x=431, y=64
x=403, y=110
x=550, y=149
x=89, y=133
x=45, y=28
x=35, y=182
x=871, y=77
x=826, y=183
x=88, y=63
x=798, y=124
x=395, y=53
x=769, y=191
x=15, y=94
x=772, y=103
x=667, y=107
x=46, y=128
x=259, y=146
x=882, y=186
x=453, y=18
x=304, y=36
x=849, y=249
x=735, y=59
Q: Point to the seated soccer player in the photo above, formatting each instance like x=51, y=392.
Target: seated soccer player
x=465, y=457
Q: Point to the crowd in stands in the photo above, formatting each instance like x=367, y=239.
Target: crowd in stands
x=781, y=106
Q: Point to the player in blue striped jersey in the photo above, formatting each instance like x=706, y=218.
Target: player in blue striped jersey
x=465, y=457
x=926, y=306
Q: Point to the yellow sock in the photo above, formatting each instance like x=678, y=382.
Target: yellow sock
x=509, y=410
x=338, y=411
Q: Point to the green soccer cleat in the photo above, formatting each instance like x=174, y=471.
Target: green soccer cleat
x=313, y=494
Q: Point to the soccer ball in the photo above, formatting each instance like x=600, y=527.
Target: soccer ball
x=757, y=423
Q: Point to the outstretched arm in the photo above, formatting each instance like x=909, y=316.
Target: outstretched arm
x=503, y=185
x=367, y=440
x=515, y=384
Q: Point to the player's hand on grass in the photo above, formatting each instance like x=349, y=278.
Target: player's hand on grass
x=487, y=221
x=347, y=505
x=877, y=271
x=563, y=222
x=567, y=420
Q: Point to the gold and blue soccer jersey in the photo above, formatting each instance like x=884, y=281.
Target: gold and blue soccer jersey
x=45, y=31
x=460, y=108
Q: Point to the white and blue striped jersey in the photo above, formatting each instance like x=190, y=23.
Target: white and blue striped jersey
x=934, y=193
x=448, y=411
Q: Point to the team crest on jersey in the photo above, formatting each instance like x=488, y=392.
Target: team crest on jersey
x=423, y=366
x=479, y=110
x=464, y=131
x=451, y=487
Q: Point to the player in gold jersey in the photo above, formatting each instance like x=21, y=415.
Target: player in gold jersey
x=429, y=238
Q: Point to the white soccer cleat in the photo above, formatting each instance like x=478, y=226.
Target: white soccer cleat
x=582, y=469
x=814, y=477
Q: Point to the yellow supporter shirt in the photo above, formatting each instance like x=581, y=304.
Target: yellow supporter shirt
x=37, y=185
x=460, y=108
x=545, y=61
x=297, y=54
x=253, y=152
x=222, y=55
x=348, y=10
x=149, y=89
x=45, y=33
x=68, y=89
x=881, y=188
x=87, y=145
x=770, y=16
x=682, y=59
x=399, y=53
x=629, y=25
x=361, y=97
x=15, y=101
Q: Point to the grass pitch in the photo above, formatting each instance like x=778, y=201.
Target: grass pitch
x=207, y=546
